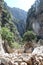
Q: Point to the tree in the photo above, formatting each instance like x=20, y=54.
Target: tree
x=29, y=36
x=7, y=35
x=7, y=20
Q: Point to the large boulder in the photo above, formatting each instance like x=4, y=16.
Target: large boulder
x=28, y=47
x=38, y=51
x=7, y=48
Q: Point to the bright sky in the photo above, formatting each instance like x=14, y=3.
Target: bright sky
x=22, y=4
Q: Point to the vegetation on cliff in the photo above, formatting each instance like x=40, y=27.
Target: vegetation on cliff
x=29, y=36
x=34, y=19
x=9, y=30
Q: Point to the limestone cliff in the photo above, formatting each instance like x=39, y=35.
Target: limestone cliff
x=1, y=46
x=35, y=18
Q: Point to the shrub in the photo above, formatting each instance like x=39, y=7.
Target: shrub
x=15, y=45
x=7, y=35
x=29, y=36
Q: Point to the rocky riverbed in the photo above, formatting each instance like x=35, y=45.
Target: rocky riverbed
x=34, y=58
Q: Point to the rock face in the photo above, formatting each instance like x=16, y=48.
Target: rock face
x=35, y=18
x=38, y=25
x=1, y=46
x=19, y=17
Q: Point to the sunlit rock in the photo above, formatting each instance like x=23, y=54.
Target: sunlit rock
x=38, y=51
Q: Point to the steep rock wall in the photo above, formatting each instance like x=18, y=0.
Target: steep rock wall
x=1, y=45
x=35, y=18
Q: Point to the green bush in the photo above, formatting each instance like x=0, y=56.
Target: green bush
x=29, y=36
x=15, y=45
x=7, y=35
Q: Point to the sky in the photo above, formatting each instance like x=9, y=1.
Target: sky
x=22, y=4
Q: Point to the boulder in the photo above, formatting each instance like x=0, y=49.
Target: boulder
x=38, y=51
x=7, y=48
x=28, y=47
x=23, y=63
